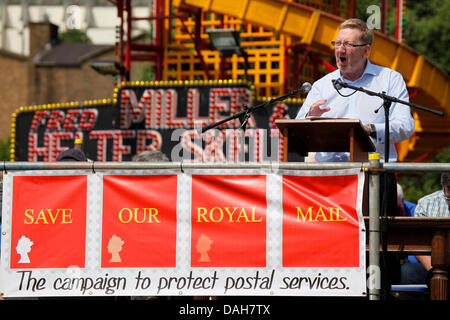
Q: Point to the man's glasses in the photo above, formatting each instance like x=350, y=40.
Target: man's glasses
x=347, y=45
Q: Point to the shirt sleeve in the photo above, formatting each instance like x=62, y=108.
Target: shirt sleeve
x=401, y=123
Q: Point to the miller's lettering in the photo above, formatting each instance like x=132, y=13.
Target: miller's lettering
x=312, y=215
x=47, y=216
x=227, y=214
x=138, y=215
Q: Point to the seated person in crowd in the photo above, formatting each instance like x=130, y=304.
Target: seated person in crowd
x=436, y=204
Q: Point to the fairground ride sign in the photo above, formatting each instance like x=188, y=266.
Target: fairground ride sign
x=166, y=116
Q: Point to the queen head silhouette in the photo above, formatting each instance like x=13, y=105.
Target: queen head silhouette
x=114, y=247
x=203, y=246
x=23, y=248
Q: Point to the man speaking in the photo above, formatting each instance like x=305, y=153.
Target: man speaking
x=352, y=48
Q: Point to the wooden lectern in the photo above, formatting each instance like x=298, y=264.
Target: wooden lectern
x=325, y=135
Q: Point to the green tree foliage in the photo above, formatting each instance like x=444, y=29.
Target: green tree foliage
x=4, y=149
x=415, y=186
x=74, y=36
x=361, y=8
x=427, y=27
x=145, y=72
x=428, y=30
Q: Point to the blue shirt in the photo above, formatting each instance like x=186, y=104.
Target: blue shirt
x=432, y=205
x=362, y=106
x=409, y=208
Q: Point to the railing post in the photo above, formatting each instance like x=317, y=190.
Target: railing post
x=374, y=281
x=439, y=280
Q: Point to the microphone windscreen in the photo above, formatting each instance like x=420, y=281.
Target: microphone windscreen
x=336, y=84
x=306, y=87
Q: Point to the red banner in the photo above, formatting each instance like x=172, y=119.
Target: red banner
x=228, y=221
x=139, y=221
x=320, y=222
x=48, y=222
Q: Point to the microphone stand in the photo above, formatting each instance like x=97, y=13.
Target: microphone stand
x=387, y=102
x=245, y=114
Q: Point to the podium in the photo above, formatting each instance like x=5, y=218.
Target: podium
x=325, y=135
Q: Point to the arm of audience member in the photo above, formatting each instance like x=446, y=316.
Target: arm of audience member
x=421, y=211
x=425, y=261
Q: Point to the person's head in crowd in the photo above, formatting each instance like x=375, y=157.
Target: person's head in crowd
x=151, y=156
x=400, y=201
x=445, y=182
x=71, y=155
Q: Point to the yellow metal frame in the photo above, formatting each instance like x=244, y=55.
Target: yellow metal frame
x=268, y=48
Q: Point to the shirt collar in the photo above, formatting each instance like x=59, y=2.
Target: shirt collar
x=370, y=69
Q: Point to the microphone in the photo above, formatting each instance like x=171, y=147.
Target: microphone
x=306, y=87
x=337, y=84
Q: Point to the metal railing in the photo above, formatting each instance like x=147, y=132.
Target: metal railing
x=10, y=166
